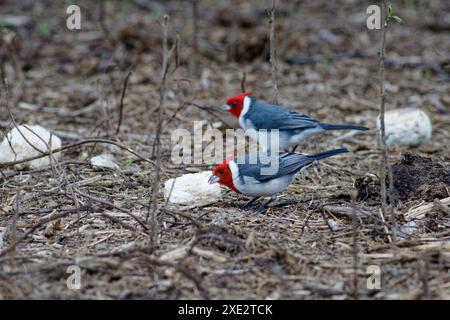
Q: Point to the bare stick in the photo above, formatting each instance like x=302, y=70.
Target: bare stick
x=273, y=53
x=174, y=212
x=2, y=68
x=355, y=246
x=392, y=207
x=76, y=144
x=112, y=206
x=16, y=63
x=103, y=25
x=382, y=140
x=58, y=170
x=243, y=81
x=124, y=89
x=50, y=167
x=14, y=120
x=386, y=226
x=157, y=144
x=14, y=222
x=194, y=56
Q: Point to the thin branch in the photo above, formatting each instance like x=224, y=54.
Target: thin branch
x=14, y=120
x=59, y=172
x=77, y=144
x=392, y=221
x=243, y=81
x=212, y=111
x=50, y=167
x=92, y=198
x=103, y=26
x=14, y=221
x=157, y=144
x=355, y=246
x=124, y=89
x=273, y=53
x=174, y=212
x=194, y=56
x=382, y=140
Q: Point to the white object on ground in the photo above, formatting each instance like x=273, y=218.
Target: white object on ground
x=406, y=127
x=21, y=149
x=407, y=229
x=192, y=189
x=183, y=251
x=2, y=235
x=333, y=224
x=104, y=161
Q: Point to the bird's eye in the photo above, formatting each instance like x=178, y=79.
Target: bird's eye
x=220, y=172
x=234, y=103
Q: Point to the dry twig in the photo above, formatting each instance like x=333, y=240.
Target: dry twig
x=273, y=53
x=382, y=140
x=77, y=144
x=167, y=55
x=124, y=89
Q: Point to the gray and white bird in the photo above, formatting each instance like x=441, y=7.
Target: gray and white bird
x=293, y=127
x=249, y=177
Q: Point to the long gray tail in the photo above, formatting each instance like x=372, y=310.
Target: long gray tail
x=342, y=127
x=329, y=153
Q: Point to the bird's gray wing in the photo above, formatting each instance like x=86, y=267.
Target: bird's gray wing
x=288, y=163
x=291, y=162
x=269, y=116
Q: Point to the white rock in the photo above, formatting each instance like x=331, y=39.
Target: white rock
x=2, y=235
x=333, y=224
x=192, y=189
x=21, y=149
x=104, y=161
x=406, y=127
x=407, y=229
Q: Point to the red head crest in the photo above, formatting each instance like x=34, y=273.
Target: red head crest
x=222, y=174
x=236, y=104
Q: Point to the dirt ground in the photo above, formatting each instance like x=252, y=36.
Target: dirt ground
x=75, y=214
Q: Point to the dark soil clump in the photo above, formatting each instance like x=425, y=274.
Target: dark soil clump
x=415, y=177
x=420, y=177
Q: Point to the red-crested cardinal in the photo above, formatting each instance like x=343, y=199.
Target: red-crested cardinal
x=243, y=177
x=293, y=127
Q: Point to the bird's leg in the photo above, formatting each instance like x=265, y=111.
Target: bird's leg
x=249, y=203
x=294, y=148
x=263, y=208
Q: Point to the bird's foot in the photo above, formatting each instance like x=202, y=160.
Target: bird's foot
x=261, y=209
x=248, y=204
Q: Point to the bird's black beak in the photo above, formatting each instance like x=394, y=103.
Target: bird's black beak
x=226, y=107
x=213, y=179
